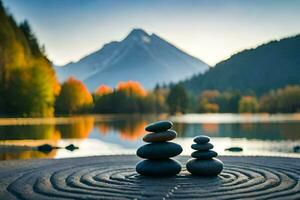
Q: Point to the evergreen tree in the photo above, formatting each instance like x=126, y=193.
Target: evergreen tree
x=32, y=40
x=177, y=99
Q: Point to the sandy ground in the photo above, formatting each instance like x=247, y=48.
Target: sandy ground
x=114, y=177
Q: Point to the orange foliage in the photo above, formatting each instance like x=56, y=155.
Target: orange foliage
x=133, y=131
x=132, y=88
x=211, y=108
x=102, y=90
x=73, y=96
x=81, y=89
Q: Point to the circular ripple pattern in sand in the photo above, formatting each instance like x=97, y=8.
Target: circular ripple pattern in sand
x=114, y=177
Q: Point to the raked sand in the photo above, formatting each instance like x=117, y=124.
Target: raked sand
x=114, y=177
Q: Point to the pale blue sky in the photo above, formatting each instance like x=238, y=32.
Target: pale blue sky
x=208, y=29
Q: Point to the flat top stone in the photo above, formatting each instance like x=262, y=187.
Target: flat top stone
x=115, y=177
x=201, y=139
x=202, y=147
x=159, y=126
x=160, y=136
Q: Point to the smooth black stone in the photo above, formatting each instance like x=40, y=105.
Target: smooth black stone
x=202, y=147
x=211, y=167
x=160, y=136
x=204, y=154
x=46, y=148
x=159, y=150
x=158, y=168
x=296, y=149
x=159, y=126
x=71, y=147
x=201, y=139
x=234, y=149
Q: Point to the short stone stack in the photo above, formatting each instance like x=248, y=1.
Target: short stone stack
x=204, y=162
x=159, y=151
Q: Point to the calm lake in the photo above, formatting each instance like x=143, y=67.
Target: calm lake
x=258, y=134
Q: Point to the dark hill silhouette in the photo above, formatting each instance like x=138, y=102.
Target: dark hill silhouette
x=266, y=67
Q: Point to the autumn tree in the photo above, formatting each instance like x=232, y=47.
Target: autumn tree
x=284, y=100
x=103, y=90
x=129, y=97
x=131, y=88
x=207, y=101
x=268, y=102
x=248, y=104
x=30, y=92
x=288, y=99
x=74, y=97
x=28, y=84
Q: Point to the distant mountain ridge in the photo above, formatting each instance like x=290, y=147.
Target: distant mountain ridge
x=269, y=66
x=140, y=57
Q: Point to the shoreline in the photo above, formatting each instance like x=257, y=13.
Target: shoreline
x=186, y=118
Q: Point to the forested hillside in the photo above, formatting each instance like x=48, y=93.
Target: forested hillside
x=27, y=81
x=269, y=66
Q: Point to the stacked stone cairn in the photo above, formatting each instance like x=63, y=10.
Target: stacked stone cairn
x=158, y=151
x=204, y=162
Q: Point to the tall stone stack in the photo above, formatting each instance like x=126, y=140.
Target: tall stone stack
x=158, y=151
x=204, y=162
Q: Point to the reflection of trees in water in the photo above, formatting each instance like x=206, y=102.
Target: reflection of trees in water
x=247, y=126
x=191, y=130
x=103, y=128
x=129, y=128
x=27, y=154
x=180, y=129
x=186, y=130
x=263, y=131
x=34, y=132
x=210, y=129
x=80, y=128
x=24, y=137
x=290, y=131
x=133, y=131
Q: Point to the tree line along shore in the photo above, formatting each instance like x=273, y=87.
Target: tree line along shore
x=29, y=87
